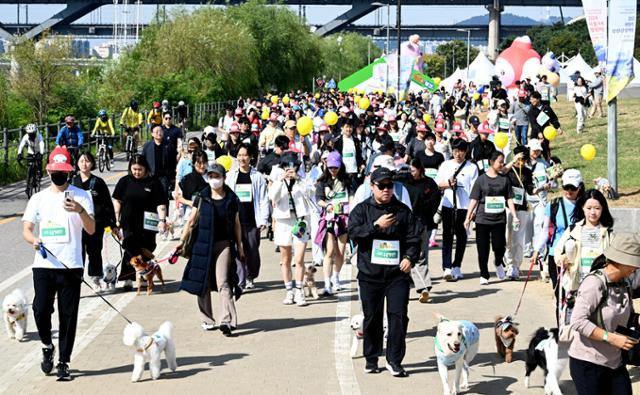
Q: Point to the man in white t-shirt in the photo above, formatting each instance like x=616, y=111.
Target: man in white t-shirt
x=454, y=179
x=61, y=211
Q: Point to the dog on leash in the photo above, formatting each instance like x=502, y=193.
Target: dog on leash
x=603, y=185
x=358, y=335
x=309, y=283
x=506, y=330
x=16, y=311
x=150, y=348
x=543, y=353
x=456, y=344
x=146, y=269
x=109, y=276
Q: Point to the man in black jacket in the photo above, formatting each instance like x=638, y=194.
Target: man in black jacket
x=541, y=116
x=161, y=156
x=388, y=238
x=481, y=148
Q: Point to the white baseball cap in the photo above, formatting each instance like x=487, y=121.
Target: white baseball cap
x=384, y=161
x=572, y=177
x=534, y=145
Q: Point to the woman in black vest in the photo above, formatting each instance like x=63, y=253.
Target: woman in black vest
x=218, y=241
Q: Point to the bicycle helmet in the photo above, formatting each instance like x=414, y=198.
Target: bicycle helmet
x=165, y=102
x=31, y=128
x=102, y=113
x=134, y=105
x=181, y=103
x=156, y=104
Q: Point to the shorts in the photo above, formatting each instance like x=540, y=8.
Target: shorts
x=282, y=235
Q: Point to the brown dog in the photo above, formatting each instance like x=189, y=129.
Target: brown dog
x=147, y=269
x=506, y=330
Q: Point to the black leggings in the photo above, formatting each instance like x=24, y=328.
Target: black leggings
x=92, y=250
x=494, y=235
x=447, y=237
x=592, y=379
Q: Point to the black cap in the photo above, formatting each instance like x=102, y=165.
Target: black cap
x=474, y=120
x=289, y=159
x=381, y=174
x=217, y=169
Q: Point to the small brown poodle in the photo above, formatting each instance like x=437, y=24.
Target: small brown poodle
x=506, y=331
x=146, y=269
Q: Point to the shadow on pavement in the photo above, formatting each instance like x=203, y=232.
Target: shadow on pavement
x=170, y=286
x=276, y=324
x=446, y=296
x=213, y=360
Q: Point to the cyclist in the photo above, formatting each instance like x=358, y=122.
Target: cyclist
x=182, y=114
x=131, y=121
x=71, y=137
x=104, y=129
x=35, y=148
x=155, y=116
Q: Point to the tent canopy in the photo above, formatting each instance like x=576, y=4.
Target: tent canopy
x=578, y=64
x=452, y=79
x=481, y=70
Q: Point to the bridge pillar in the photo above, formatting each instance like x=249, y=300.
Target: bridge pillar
x=494, y=29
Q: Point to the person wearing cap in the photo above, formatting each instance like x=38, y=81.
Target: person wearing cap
x=604, y=303
x=384, y=159
x=597, y=92
x=296, y=142
x=346, y=115
x=131, y=121
x=456, y=178
x=155, y=116
x=559, y=214
x=161, y=157
x=388, y=238
x=472, y=131
x=418, y=144
x=71, y=137
x=442, y=144
x=268, y=135
x=540, y=116
x=334, y=191
x=218, y=243
x=231, y=145
x=348, y=146
x=182, y=114
x=289, y=193
x=62, y=212
x=519, y=117
x=481, y=149
x=251, y=188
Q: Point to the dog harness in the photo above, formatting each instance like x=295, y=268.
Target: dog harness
x=503, y=324
x=159, y=340
x=151, y=266
x=18, y=318
x=470, y=335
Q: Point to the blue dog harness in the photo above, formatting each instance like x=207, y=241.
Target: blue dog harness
x=470, y=336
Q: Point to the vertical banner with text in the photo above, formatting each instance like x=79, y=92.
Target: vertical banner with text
x=595, y=13
x=622, y=30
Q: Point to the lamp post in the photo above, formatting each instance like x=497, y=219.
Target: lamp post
x=368, y=49
x=399, y=22
x=468, y=49
x=339, y=40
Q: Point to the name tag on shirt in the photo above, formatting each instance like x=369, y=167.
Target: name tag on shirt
x=542, y=118
x=518, y=195
x=494, y=204
x=244, y=192
x=431, y=173
x=540, y=178
x=55, y=230
x=483, y=165
x=503, y=123
x=151, y=221
x=385, y=252
x=340, y=197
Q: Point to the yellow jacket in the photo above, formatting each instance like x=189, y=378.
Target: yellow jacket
x=104, y=128
x=131, y=119
x=155, y=118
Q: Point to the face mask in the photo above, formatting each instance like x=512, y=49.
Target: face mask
x=59, y=179
x=216, y=183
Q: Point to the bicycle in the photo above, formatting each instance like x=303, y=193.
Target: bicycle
x=34, y=174
x=130, y=146
x=101, y=153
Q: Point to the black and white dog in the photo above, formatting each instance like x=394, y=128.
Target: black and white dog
x=543, y=353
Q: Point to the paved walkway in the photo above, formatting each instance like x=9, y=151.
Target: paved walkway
x=277, y=348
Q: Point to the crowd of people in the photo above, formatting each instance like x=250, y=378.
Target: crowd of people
x=352, y=174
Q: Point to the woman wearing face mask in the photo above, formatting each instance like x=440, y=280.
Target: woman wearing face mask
x=140, y=204
x=491, y=194
x=104, y=128
x=194, y=182
x=218, y=241
x=334, y=189
x=104, y=214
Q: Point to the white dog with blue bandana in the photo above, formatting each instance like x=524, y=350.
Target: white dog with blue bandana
x=456, y=344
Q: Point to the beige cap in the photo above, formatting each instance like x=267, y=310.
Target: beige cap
x=624, y=249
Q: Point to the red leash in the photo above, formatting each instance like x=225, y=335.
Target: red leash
x=525, y=286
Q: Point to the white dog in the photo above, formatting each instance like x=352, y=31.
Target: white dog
x=358, y=335
x=109, y=276
x=15, y=310
x=456, y=345
x=150, y=348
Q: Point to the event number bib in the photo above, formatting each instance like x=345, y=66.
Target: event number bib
x=518, y=195
x=350, y=164
x=542, y=118
x=431, y=173
x=494, y=204
x=151, y=221
x=244, y=192
x=589, y=250
x=340, y=197
x=55, y=230
x=503, y=123
x=483, y=165
x=385, y=252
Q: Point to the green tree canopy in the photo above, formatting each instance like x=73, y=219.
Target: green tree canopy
x=568, y=39
x=455, y=53
x=348, y=56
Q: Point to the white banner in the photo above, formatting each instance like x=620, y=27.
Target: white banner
x=595, y=13
x=622, y=30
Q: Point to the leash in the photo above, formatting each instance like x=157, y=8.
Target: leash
x=44, y=251
x=525, y=285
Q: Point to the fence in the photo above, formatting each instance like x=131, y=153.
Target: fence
x=199, y=116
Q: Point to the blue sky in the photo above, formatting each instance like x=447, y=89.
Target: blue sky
x=315, y=14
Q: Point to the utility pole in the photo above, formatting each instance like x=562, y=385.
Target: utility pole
x=399, y=28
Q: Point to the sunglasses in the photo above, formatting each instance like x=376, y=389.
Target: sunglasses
x=382, y=187
x=333, y=168
x=167, y=117
x=570, y=188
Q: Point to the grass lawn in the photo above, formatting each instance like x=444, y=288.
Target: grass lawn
x=567, y=147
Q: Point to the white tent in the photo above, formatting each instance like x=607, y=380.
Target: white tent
x=564, y=76
x=579, y=64
x=481, y=70
x=452, y=79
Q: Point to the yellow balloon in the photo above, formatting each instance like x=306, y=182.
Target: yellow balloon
x=550, y=133
x=501, y=139
x=304, y=125
x=426, y=118
x=588, y=152
x=437, y=80
x=275, y=99
x=356, y=99
x=331, y=118
x=350, y=90
x=317, y=96
x=553, y=79
x=476, y=96
x=225, y=161
x=485, y=102
x=285, y=100
x=265, y=115
x=361, y=91
x=364, y=103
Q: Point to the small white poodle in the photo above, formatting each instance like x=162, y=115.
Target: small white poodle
x=150, y=348
x=16, y=311
x=110, y=276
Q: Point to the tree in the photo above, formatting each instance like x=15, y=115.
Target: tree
x=38, y=70
x=4, y=98
x=347, y=56
x=435, y=65
x=570, y=39
x=455, y=53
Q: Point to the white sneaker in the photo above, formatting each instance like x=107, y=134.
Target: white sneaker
x=288, y=299
x=249, y=284
x=299, y=298
x=457, y=273
x=484, y=281
x=207, y=327
x=326, y=292
x=510, y=271
x=448, y=275
x=500, y=272
x=515, y=273
x=335, y=285
x=544, y=276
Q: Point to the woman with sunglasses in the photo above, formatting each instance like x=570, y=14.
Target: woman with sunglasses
x=334, y=190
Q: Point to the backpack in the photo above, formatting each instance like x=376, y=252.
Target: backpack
x=605, y=291
x=553, y=227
